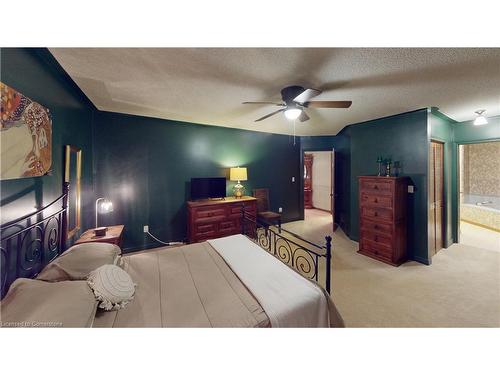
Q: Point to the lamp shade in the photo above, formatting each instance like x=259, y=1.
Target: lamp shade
x=238, y=174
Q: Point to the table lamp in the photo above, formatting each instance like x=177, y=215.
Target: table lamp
x=104, y=207
x=238, y=174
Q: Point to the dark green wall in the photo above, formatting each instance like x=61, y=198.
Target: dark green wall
x=36, y=74
x=403, y=138
x=341, y=144
x=145, y=165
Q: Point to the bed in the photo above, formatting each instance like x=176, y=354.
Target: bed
x=260, y=278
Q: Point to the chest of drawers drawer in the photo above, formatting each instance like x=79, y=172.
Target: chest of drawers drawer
x=376, y=249
x=377, y=186
x=375, y=226
x=376, y=213
x=376, y=200
x=384, y=239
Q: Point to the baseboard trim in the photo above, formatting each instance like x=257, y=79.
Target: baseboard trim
x=425, y=261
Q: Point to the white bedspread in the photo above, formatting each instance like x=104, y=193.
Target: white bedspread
x=288, y=299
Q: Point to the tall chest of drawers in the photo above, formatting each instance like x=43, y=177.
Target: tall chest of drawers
x=383, y=218
x=209, y=219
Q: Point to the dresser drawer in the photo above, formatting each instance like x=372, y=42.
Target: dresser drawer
x=209, y=229
x=382, y=239
x=376, y=200
x=208, y=214
x=376, y=249
x=375, y=226
x=228, y=225
x=376, y=213
x=235, y=210
x=376, y=186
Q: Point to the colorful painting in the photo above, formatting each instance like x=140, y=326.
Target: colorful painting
x=25, y=136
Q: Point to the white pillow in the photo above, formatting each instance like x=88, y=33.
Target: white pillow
x=112, y=286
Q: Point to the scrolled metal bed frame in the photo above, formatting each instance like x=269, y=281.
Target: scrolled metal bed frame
x=295, y=251
x=31, y=242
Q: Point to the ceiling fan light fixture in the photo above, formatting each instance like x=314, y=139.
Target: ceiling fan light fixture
x=293, y=113
x=480, y=119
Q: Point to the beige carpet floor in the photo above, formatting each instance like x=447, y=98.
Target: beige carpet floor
x=460, y=289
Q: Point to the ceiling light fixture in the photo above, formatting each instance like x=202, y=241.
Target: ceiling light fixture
x=480, y=119
x=293, y=113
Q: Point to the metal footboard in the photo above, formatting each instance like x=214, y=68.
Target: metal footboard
x=300, y=254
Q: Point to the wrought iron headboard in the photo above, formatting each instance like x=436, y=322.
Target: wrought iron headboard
x=300, y=254
x=31, y=242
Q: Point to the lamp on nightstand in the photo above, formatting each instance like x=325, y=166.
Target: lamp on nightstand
x=103, y=206
x=238, y=174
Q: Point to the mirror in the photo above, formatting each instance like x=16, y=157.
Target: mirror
x=72, y=174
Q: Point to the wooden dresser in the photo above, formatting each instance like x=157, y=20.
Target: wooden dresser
x=382, y=218
x=217, y=218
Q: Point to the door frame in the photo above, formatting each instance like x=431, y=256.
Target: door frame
x=301, y=180
x=444, y=215
x=456, y=196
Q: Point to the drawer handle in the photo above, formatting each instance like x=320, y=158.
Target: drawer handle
x=375, y=187
x=375, y=213
x=376, y=200
x=376, y=226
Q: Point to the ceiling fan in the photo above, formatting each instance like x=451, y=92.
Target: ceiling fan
x=296, y=99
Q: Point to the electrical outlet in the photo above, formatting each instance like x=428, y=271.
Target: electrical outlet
x=146, y=228
x=293, y=179
x=411, y=189
x=280, y=210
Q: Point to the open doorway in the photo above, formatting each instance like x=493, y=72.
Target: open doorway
x=479, y=194
x=319, y=187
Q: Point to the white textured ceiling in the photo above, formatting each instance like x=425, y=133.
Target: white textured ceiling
x=207, y=86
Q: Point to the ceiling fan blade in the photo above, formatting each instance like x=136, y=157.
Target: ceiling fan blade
x=270, y=114
x=328, y=104
x=303, y=116
x=306, y=95
x=265, y=103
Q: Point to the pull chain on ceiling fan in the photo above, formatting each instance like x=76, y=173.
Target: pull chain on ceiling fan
x=296, y=99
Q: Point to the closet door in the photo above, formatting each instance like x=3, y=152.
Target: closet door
x=438, y=182
x=432, y=203
x=436, y=206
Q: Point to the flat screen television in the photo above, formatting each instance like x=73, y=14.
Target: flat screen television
x=211, y=187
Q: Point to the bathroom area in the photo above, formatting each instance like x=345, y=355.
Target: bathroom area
x=479, y=165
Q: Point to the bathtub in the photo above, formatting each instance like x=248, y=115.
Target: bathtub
x=481, y=210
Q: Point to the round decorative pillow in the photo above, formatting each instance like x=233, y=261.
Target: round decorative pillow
x=112, y=286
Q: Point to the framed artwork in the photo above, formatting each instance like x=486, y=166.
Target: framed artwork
x=25, y=136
